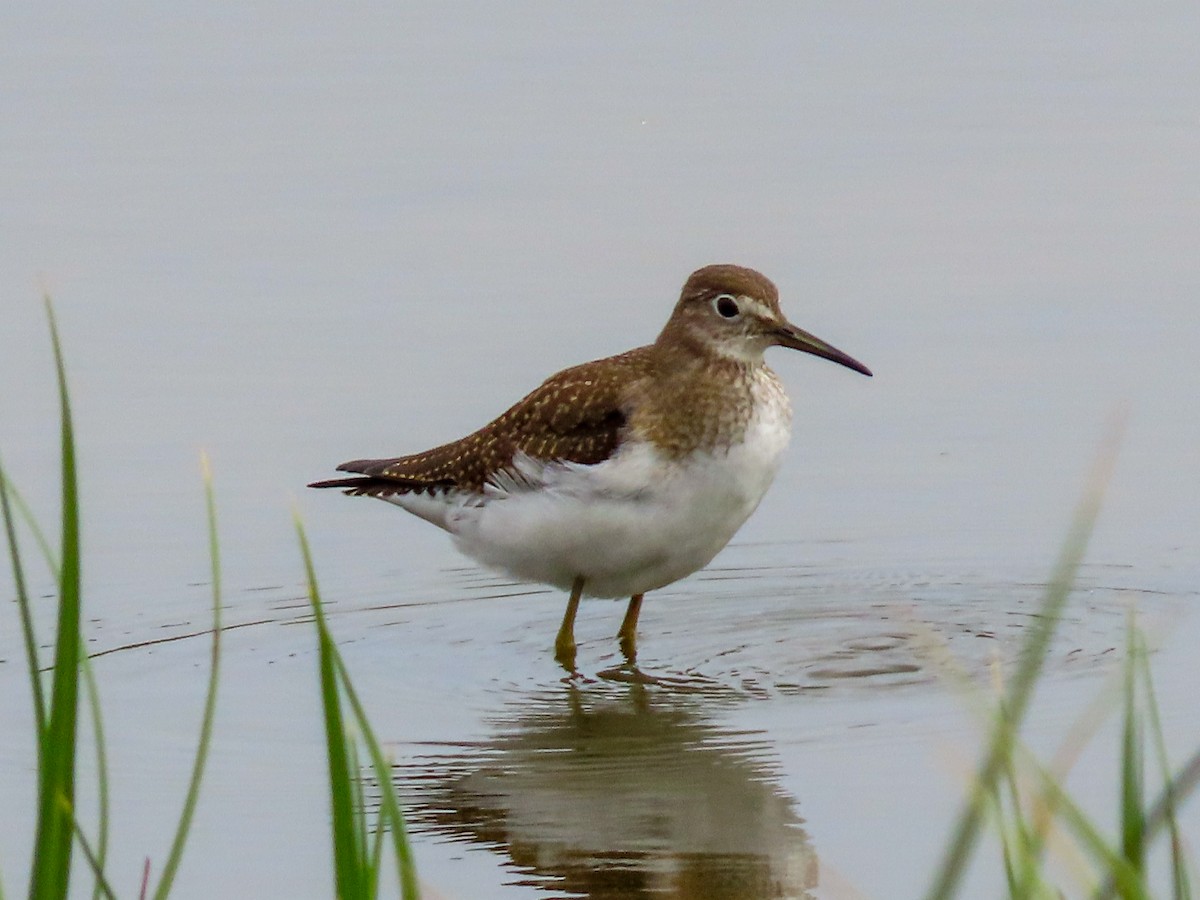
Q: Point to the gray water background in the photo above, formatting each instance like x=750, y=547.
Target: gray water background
x=291, y=237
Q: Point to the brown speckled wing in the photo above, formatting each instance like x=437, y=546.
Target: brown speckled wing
x=574, y=416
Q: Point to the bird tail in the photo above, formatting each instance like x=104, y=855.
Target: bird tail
x=365, y=486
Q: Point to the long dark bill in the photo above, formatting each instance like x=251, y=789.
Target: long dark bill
x=798, y=339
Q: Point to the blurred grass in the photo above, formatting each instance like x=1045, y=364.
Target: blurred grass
x=1028, y=803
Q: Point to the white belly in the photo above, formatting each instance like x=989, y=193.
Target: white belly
x=631, y=524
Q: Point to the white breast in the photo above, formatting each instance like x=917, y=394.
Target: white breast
x=633, y=523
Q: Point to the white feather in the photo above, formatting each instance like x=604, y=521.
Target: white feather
x=633, y=523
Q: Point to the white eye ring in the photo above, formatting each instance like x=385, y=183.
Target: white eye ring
x=726, y=306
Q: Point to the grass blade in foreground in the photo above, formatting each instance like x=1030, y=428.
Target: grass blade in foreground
x=95, y=860
x=356, y=864
x=27, y=632
x=1007, y=725
x=210, y=700
x=1132, y=821
x=389, y=807
x=56, y=772
x=1180, y=882
x=98, y=858
x=350, y=876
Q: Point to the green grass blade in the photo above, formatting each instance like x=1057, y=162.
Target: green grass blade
x=1132, y=823
x=389, y=802
x=93, y=694
x=97, y=865
x=1180, y=880
x=1026, y=844
x=966, y=831
x=348, y=876
x=39, y=536
x=1008, y=852
x=389, y=810
x=1023, y=881
x=1020, y=849
x=210, y=701
x=51, y=868
x=1010, y=839
x=27, y=631
x=1173, y=796
x=361, y=844
x=375, y=860
x=1126, y=878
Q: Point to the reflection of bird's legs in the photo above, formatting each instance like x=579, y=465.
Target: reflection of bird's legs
x=564, y=644
x=627, y=635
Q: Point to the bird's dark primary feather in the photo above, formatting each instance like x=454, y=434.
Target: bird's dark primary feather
x=575, y=416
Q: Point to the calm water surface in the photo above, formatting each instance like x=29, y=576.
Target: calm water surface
x=296, y=240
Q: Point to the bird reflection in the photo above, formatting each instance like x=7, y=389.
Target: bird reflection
x=618, y=794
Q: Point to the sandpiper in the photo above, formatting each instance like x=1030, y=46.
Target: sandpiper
x=622, y=475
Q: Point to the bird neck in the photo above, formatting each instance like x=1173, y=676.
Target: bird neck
x=696, y=400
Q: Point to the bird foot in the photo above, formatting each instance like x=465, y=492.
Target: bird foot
x=564, y=654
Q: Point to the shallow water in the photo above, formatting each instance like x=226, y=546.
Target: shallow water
x=297, y=240
x=782, y=724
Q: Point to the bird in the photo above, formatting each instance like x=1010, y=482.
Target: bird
x=619, y=476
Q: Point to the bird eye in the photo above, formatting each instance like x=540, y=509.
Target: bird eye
x=726, y=306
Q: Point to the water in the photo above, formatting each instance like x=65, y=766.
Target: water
x=296, y=239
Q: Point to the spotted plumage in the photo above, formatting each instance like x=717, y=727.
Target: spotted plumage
x=575, y=416
x=621, y=475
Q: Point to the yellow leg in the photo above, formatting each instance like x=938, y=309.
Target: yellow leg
x=628, y=632
x=564, y=644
